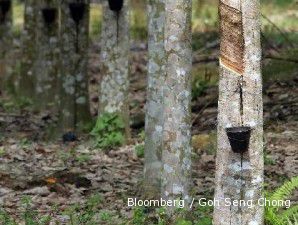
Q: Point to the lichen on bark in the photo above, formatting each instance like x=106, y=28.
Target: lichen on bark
x=5, y=47
x=29, y=50
x=154, y=104
x=240, y=176
x=73, y=79
x=114, y=83
x=47, y=63
x=176, y=155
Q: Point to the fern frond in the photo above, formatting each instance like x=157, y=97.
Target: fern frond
x=294, y=222
x=285, y=190
x=290, y=213
x=272, y=218
x=274, y=215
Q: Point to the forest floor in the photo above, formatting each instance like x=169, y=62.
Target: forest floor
x=58, y=176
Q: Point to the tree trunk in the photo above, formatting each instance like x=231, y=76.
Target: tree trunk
x=176, y=155
x=5, y=42
x=154, y=105
x=74, y=100
x=47, y=65
x=239, y=176
x=115, y=48
x=27, y=76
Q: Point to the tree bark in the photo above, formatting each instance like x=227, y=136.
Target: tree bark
x=176, y=155
x=114, y=82
x=27, y=76
x=239, y=176
x=74, y=100
x=5, y=45
x=154, y=105
x=47, y=65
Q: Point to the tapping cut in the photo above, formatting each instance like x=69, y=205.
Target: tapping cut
x=232, y=39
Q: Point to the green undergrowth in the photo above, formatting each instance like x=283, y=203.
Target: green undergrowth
x=199, y=86
x=87, y=213
x=140, y=150
x=279, y=215
x=90, y=212
x=158, y=216
x=15, y=104
x=109, y=131
x=28, y=215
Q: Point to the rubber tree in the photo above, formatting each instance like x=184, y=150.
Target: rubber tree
x=74, y=98
x=29, y=49
x=5, y=40
x=47, y=63
x=115, y=46
x=239, y=164
x=154, y=105
x=176, y=155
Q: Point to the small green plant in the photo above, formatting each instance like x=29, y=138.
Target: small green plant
x=82, y=158
x=203, y=215
x=105, y=216
x=64, y=155
x=183, y=222
x=78, y=214
x=161, y=215
x=85, y=214
x=6, y=219
x=2, y=151
x=276, y=215
x=109, y=131
x=268, y=160
x=29, y=216
x=24, y=142
x=140, y=150
x=139, y=216
x=24, y=102
x=141, y=135
x=11, y=105
x=199, y=86
x=158, y=216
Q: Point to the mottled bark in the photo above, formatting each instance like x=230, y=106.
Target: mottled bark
x=176, y=155
x=47, y=65
x=5, y=43
x=27, y=76
x=74, y=99
x=239, y=176
x=154, y=105
x=114, y=84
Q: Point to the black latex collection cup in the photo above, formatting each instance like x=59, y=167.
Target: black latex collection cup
x=49, y=14
x=5, y=6
x=77, y=11
x=239, y=138
x=115, y=5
